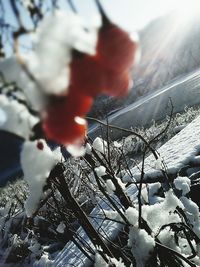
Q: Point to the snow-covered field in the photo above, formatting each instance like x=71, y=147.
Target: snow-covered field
x=155, y=107
x=162, y=190
x=182, y=150
x=116, y=200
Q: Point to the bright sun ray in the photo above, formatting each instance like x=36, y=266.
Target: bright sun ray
x=175, y=28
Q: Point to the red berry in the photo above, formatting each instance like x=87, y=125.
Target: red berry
x=63, y=122
x=87, y=75
x=77, y=103
x=40, y=145
x=115, y=48
x=74, y=104
x=119, y=84
x=65, y=130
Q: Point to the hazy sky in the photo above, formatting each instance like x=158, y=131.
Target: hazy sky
x=135, y=14
x=130, y=14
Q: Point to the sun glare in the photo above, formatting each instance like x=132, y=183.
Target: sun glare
x=187, y=10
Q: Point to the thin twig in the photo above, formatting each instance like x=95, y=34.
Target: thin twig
x=126, y=131
x=176, y=253
x=72, y=6
x=140, y=191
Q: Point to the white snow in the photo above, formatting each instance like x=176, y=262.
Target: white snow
x=44, y=261
x=99, y=145
x=88, y=149
x=100, y=262
x=142, y=244
x=162, y=209
x=113, y=215
x=36, y=97
x=61, y=228
x=166, y=237
x=158, y=164
x=153, y=188
x=110, y=187
x=183, y=184
x=192, y=213
x=176, y=153
x=76, y=150
x=16, y=117
x=152, y=191
x=70, y=255
x=132, y=215
x=54, y=40
x=121, y=183
x=37, y=161
x=162, y=213
x=100, y=171
x=49, y=62
x=117, y=144
x=52, y=72
x=185, y=247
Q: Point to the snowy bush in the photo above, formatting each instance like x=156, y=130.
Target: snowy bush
x=161, y=223
x=60, y=190
x=81, y=203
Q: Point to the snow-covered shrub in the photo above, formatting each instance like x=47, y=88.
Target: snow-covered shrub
x=82, y=200
x=172, y=220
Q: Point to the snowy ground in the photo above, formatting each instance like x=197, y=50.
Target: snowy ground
x=186, y=142
x=183, y=149
x=183, y=92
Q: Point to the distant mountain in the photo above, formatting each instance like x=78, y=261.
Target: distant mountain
x=170, y=48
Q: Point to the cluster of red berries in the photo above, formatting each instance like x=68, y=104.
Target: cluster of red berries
x=108, y=72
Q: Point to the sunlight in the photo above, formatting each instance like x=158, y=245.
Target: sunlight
x=136, y=14
x=180, y=18
x=184, y=10
x=187, y=10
